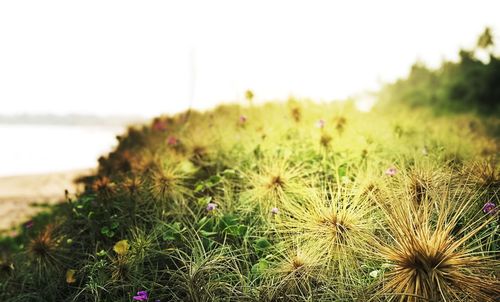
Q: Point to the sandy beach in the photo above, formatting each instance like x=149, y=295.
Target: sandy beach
x=18, y=194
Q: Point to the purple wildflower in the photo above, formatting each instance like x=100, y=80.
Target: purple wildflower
x=211, y=206
x=275, y=211
x=243, y=119
x=29, y=224
x=320, y=124
x=141, y=296
x=490, y=208
x=391, y=171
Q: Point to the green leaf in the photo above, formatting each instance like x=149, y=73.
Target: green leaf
x=168, y=236
x=202, y=221
x=172, y=232
x=242, y=230
x=176, y=226
x=206, y=223
x=261, y=244
x=374, y=274
x=86, y=199
x=105, y=230
x=237, y=230
x=199, y=187
x=214, y=180
x=260, y=267
x=229, y=172
x=228, y=220
x=102, y=253
x=203, y=201
x=342, y=171
x=207, y=234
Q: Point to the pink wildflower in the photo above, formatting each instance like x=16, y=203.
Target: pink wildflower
x=391, y=171
x=320, y=124
x=172, y=140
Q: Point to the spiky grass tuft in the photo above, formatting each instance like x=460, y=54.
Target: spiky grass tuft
x=325, y=140
x=132, y=185
x=198, y=273
x=435, y=254
x=103, y=186
x=296, y=113
x=276, y=182
x=168, y=183
x=421, y=182
x=334, y=225
x=6, y=269
x=485, y=174
x=46, y=252
x=298, y=273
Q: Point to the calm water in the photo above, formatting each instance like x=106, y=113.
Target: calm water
x=31, y=149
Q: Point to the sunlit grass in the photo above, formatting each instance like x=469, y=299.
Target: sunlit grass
x=293, y=201
x=436, y=252
x=334, y=224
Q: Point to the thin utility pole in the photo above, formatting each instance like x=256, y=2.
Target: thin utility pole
x=192, y=82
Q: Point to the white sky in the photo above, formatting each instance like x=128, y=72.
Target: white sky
x=142, y=57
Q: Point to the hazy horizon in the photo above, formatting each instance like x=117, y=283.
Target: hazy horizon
x=70, y=119
x=40, y=149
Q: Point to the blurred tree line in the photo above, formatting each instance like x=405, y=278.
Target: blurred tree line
x=471, y=84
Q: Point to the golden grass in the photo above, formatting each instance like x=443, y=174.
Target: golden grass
x=435, y=254
x=335, y=225
x=298, y=272
x=275, y=183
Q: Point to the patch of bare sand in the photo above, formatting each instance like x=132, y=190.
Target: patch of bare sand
x=18, y=194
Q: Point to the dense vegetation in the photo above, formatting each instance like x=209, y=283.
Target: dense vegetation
x=471, y=84
x=287, y=201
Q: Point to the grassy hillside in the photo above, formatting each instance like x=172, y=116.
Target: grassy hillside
x=287, y=201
